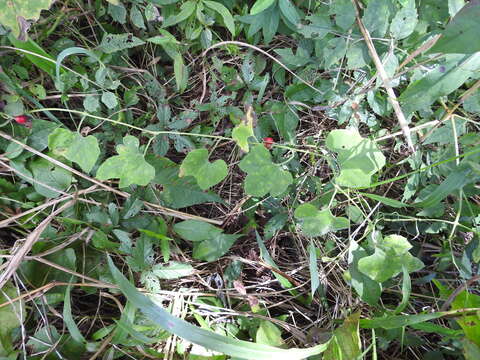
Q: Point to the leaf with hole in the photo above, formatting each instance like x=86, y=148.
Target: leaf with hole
x=71, y=145
x=263, y=175
x=129, y=165
x=15, y=13
x=358, y=158
x=316, y=222
x=206, y=173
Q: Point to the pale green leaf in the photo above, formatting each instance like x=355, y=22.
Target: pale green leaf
x=11, y=317
x=358, y=158
x=186, y=10
x=389, y=258
x=313, y=267
x=129, y=165
x=181, y=72
x=243, y=131
x=404, y=21
x=345, y=343
x=316, y=222
x=269, y=334
x=224, y=13
x=206, y=173
x=74, y=147
x=289, y=11
x=344, y=13
x=14, y=11
x=212, y=249
x=263, y=175
x=109, y=99
x=174, y=270
x=54, y=176
x=260, y=5
x=195, y=230
x=117, y=42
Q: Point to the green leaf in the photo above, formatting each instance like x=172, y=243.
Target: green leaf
x=11, y=318
x=181, y=72
x=207, y=173
x=142, y=255
x=116, y=42
x=404, y=21
x=72, y=327
x=186, y=10
x=109, y=99
x=387, y=201
x=129, y=165
x=368, y=289
x=260, y=5
x=316, y=222
x=224, y=13
x=263, y=175
x=33, y=47
x=137, y=18
x=390, y=256
x=243, y=131
x=174, y=270
x=208, y=339
x=49, y=174
x=345, y=343
x=13, y=14
x=344, y=13
x=212, y=249
x=91, y=103
x=195, y=230
x=398, y=321
x=442, y=80
x=358, y=158
x=376, y=17
x=269, y=334
x=74, y=147
x=289, y=11
x=461, y=34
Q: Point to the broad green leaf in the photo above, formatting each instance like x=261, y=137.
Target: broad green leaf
x=116, y=42
x=224, y=13
x=260, y=5
x=142, y=255
x=387, y=201
x=315, y=26
x=471, y=351
x=390, y=256
x=398, y=321
x=208, y=339
x=358, y=158
x=212, y=249
x=129, y=165
x=210, y=241
x=186, y=10
x=74, y=147
x=207, y=173
x=443, y=79
x=344, y=13
x=243, y=131
x=368, y=289
x=14, y=13
x=269, y=334
x=404, y=21
x=376, y=17
x=49, y=174
x=289, y=11
x=263, y=175
x=109, y=99
x=345, y=343
x=454, y=6
x=319, y=222
x=196, y=230
x=137, y=18
x=91, y=103
x=11, y=317
x=174, y=270
x=117, y=12
x=461, y=34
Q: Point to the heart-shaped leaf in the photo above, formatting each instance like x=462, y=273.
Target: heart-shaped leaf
x=390, y=256
x=263, y=175
x=129, y=165
x=358, y=158
x=74, y=147
x=316, y=222
x=206, y=173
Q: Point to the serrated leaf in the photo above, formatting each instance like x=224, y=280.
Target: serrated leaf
x=263, y=175
x=461, y=34
x=206, y=173
x=316, y=222
x=174, y=270
x=358, y=158
x=260, y=5
x=224, y=13
x=74, y=147
x=129, y=165
x=14, y=13
x=390, y=256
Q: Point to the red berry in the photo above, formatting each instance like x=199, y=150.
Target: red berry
x=21, y=119
x=268, y=142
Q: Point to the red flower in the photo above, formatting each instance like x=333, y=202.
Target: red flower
x=21, y=119
x=268, y=142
